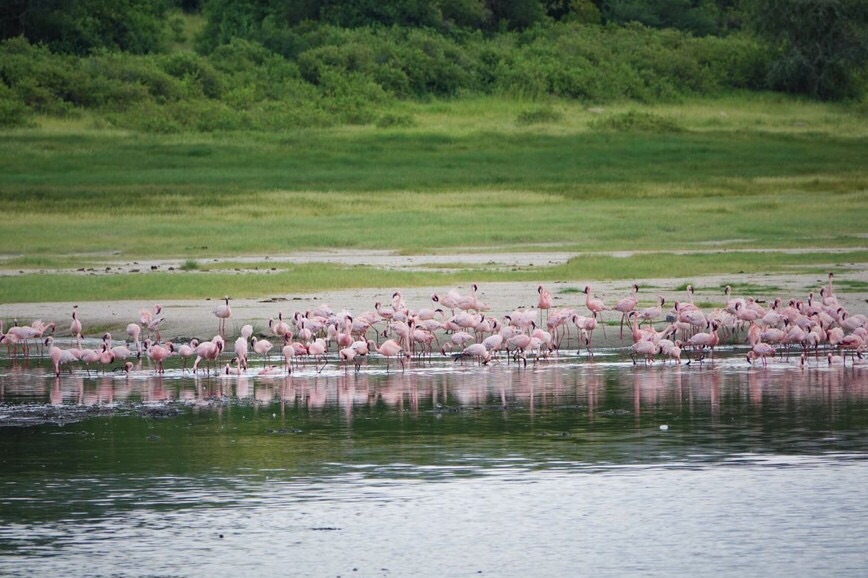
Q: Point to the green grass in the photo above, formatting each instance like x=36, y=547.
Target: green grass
x=284, y=280
x=743, y=173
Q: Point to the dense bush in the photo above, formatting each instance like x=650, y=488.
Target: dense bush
x=820, y=47
x=82, y=26
x=347, y=75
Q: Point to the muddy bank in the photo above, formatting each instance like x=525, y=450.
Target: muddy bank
x=195, y=318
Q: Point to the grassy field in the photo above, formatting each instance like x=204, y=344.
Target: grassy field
x=748, y=173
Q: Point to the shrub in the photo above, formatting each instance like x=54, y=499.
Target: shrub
x=635, y=121
x=539, y=115
x=13, y=112
x=393, y=120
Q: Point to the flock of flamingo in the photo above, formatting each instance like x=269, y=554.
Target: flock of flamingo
x=459, y=325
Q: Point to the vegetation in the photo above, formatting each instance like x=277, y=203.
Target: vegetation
x=191, y=129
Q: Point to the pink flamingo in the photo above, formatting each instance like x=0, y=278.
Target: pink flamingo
x=388, y=349
x=853, y=343
x=260, y=346
x=586, y=326
x=280, y=327
x=350, y=354
x=626, y=306
x=650, y=314
x=703, y=340
x=544, y=303
x=595, y=306
x=671, y=349
x=186, y=351
x=288, y=353
x=134, y=332
x=762, y=351
x=75, y=326
x=120, y=352
x=317, y=350
x=646, y=349
x=477, y=350
x=150, y=320
x=241, y=352
x=159, y=353
x=222, y=312
x=209, y=351
x=58, y=356
x=87, y=357
x=450, y=300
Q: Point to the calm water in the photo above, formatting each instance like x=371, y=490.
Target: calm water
x=573, y=467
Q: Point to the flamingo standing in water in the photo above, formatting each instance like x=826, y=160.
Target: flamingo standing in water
x=134, y=332
x=477, y=350
x=595, y=306
x=159, y=353
x=241, y=352
x=762, y=351
x=75, y=326
x=209, y=351
x=389, y=349
x=703, y=340
x=58, y=356
x=626, y=306
x=222, y=312
x=544, y=303
x=186, y=351
x=260, y=346
x=151, y=321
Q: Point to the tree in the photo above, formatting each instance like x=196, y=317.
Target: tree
x=81, y=26
x=821, y=45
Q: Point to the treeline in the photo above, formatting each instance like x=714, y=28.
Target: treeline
x=269, y=64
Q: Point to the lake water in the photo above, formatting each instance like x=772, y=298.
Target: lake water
x=570, y=467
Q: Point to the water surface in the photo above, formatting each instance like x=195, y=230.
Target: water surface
x=569, y=467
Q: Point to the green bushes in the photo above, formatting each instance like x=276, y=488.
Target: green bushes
x=348, y=76
x=635, y=121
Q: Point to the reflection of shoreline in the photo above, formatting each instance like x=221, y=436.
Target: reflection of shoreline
x=604, y=390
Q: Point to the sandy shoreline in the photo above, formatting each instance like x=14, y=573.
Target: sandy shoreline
x=195, y=318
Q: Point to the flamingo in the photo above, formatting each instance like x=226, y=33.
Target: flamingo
x=586, y=326
x=317, y=350
x=762, y=351
x=350, y=354
x=186, y=351
x=209, y=351
x=853, y=343
x=87, y=357
x=75, y=326
x=595, y=306
x=260, y=346
x=58, y=356
x=671, y=349
x=626, y=306
x=449, y=300
x=477, y=350
x=703, y=340
x=650, y=314
x=519, y=344
x=280, y=327
x=647, y=349
x=222, y=312
x=149, y=320
x=241, y=352
x=544, y=302
x=159, y=353
x=134, y=332
x=121, y=352
x=388, y=349
x=23, y=334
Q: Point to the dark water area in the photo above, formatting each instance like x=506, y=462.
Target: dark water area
x=570, y=467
